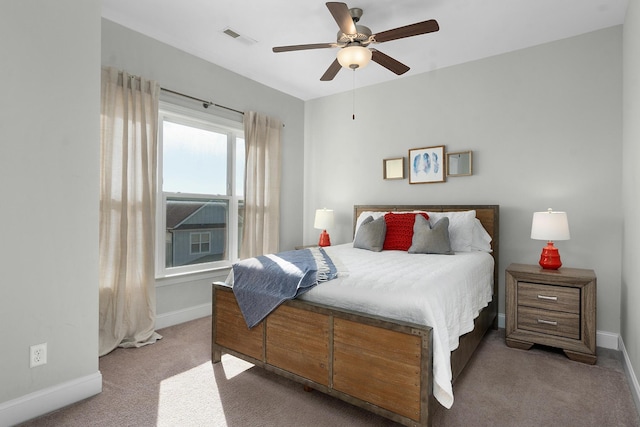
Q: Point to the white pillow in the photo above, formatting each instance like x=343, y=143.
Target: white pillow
x=481, y=239
x=460, y=228
x=364, y=215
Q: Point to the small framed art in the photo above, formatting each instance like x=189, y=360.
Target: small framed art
x=460, y=164
x=393, y=168
x=427, y=165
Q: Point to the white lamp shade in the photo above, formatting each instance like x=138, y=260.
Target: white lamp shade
x=550, y=226
x=354, y=57
x=324, y=219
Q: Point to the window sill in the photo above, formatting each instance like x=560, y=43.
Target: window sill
x=212, y=273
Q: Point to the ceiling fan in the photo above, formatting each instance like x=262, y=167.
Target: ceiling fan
x=353, y=40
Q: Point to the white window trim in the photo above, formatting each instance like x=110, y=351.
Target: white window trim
x=188, y=116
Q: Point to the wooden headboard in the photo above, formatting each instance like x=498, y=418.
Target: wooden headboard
x=489, y=216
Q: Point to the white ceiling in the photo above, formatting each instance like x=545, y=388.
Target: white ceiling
x=469, y=30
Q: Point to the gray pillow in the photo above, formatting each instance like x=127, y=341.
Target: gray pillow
x=427, y=240
x=370, y=235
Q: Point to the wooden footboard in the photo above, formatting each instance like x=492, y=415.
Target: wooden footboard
x=380, y=365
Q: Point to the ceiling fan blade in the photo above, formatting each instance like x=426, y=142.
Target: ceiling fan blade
x=331, y=71
x=340, y=12
x=303, y=47
x=388, y=62
x=416, y=29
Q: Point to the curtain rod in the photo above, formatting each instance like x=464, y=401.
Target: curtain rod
x=205, y=104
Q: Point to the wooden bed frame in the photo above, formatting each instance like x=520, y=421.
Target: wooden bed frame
x=381, y=365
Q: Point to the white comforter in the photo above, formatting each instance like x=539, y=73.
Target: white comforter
x=445, y=292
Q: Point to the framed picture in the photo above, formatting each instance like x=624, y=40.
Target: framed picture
x=460, y=164
x=393, y=168
x=427, y=165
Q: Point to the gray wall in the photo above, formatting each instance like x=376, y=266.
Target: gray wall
x=630, y=315
x=545, y=127
x=563, y=99
x=49, y=172
x=184, y=73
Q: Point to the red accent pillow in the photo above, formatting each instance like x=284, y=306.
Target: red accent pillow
x=400, y=230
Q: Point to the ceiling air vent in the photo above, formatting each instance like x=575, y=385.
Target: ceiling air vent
x=231, y=33
x=239, y=37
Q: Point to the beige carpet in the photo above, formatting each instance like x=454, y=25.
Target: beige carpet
x=172, y=383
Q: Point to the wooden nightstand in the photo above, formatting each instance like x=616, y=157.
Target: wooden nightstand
x=556, y=308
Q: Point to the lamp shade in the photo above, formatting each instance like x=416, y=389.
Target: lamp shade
x=354, y=57
x=550, y=226
x=324, y=219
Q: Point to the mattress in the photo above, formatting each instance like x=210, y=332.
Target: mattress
x=445, y=292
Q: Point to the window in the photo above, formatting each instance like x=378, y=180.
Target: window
x=200, y=243
x=200, y=191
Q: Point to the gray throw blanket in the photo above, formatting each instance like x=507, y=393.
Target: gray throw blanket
x=262, y=283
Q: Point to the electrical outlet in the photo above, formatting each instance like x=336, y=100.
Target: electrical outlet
x=38, y=355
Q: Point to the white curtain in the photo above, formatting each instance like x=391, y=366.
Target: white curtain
x=129, y=122
x=262, y=185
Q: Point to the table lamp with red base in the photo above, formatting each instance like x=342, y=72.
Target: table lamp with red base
x=550, y=226
x=324, y=220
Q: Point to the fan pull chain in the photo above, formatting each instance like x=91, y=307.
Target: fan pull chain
x=353, y=114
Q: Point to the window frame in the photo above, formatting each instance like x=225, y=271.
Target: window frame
x=235, y=131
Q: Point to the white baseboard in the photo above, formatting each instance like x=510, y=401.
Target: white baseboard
x=180, y=316
x=49, y=399
x=631, y=375
x=501, y=321
x=608, y=340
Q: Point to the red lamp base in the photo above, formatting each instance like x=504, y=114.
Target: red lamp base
x=324, y=239
x=550, y=257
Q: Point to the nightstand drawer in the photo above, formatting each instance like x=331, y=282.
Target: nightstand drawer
x=549, y=297
x=549, y=322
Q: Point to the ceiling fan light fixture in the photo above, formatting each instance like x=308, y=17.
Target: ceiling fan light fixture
x=353, y=57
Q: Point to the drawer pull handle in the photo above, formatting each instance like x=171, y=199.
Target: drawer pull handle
x=548, y=322
x=548, y=298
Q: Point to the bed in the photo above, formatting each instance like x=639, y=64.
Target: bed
x=382, y=363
